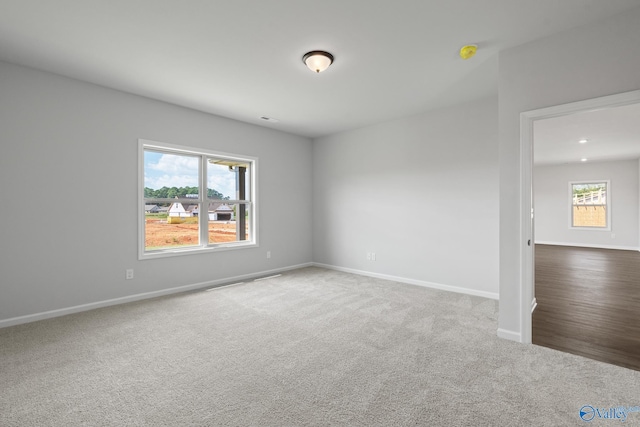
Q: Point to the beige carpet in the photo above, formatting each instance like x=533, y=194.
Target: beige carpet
x=310, y=348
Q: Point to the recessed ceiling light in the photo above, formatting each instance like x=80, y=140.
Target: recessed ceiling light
x=269, y=119
x=583, y=141
x=583, y=160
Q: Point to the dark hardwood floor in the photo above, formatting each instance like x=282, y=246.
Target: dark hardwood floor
x=588, y=303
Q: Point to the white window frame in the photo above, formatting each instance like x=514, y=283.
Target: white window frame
x=608, y=205
x=202, y=201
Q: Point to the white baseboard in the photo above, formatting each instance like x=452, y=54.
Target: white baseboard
x=460, y=290
x=509, y=335
x=137, y=297
x=587, y=245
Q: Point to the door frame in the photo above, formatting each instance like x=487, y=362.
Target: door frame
x=527, y=211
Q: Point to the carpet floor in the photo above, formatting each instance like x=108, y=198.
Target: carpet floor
x=312, y=347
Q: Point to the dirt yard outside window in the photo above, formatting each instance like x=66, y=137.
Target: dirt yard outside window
x=159, y=234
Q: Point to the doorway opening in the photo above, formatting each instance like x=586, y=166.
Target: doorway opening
x=529, y=120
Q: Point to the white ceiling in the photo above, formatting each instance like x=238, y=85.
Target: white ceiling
x=242, y=59
x=611, y=134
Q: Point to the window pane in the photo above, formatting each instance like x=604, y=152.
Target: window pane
x=170, y=175
x=228, y=179
x=589, y=204
x=170, y=225
x=226, y=222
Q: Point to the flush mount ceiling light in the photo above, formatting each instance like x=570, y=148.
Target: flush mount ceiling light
x=317, y=60
x=583, y=141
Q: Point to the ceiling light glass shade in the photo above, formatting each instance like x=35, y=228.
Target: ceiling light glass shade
x=317, y=60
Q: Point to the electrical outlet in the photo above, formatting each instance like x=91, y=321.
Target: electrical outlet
x=373, y=256
x=613, y=235
x=268, y=254
x=129, y=274
x=368, y=256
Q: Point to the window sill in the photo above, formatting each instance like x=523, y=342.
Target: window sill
x=166, y=253
x=591, y=228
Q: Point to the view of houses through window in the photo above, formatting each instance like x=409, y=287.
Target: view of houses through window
x=589, y=204
x=195, y=200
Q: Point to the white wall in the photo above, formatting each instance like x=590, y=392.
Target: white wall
x=421, y=192
x=69, y=158
x=583, y=63
x=552, y=204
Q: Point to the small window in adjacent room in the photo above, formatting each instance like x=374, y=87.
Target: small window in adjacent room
x=590, y=205
x=194, y=200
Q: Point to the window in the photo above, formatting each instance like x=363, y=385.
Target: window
x=194, y=200
x=590, y=205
